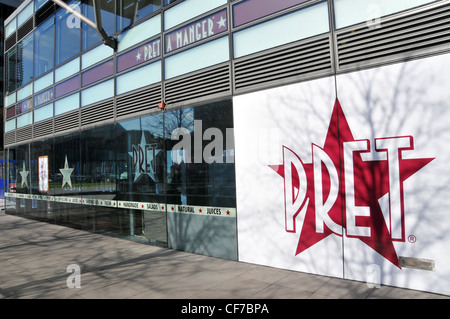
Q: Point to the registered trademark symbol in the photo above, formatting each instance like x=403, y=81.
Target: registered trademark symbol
x=412, y=239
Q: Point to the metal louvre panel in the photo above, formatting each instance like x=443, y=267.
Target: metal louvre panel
x=10, y=138
x=303, y=60
x=67, y=121
x=24, y=134
x=202, y=85
x=97, y=113
x=9, y=43
x=25, y=28
x=43, y=128
x=409, y=36
x=138, y=101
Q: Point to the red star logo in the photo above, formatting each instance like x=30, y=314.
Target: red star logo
x=350, y=187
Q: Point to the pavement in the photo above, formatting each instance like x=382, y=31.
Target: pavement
x=45, y=261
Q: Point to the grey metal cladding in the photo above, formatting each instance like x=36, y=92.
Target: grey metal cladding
x=395, y=39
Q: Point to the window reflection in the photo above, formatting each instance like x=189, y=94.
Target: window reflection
x=122, y=178
x=43, y=148
x=131, y=11
x=11, y=69
x=67, y=34
x=198, y=173
x=44, y=47
x=98, y=161
x=25, y=60
x=66, y=179
x=141, y=159
x=90, y=36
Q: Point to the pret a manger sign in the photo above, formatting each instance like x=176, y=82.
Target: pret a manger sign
x=351, y=186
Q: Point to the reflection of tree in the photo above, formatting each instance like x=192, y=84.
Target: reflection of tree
x=165, y=124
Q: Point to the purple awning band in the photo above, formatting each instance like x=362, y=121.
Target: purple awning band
x=10, y=112
x=144, y=53
x=23, y=106
x=67, y=86
x=98, y=73
x=44, y=97
x=197, y=31
x=250, y=10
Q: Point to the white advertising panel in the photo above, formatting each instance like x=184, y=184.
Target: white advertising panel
x=274, y=135
x=403, y=113
x=349, y=176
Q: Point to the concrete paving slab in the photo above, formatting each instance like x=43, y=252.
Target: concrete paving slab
x=34, y=257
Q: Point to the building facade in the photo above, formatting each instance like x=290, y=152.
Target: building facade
x=304, y=135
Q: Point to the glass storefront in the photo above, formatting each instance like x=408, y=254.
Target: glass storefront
x=166, y=179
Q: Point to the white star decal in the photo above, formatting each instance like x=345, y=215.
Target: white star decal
x=24, y=175
x=221, y=22
x=66, y=172
x=138, y=56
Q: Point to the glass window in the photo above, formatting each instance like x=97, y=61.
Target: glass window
x=201, y=174
x=133, y=11
x=67, y=69
x=10, y=27
x=24, y=120
x=97, y=92
x=140, y=172
x=291, y=27
x=139, y=32
x=43, y=82
x=188, y=9
x=349, y=12
x=10, y=125
x=11, y=69
x=66, y=182
x=199, y=57
x=98, y=158
x=95, y=55
x=39, y=3
x=23, y=169
x=90, y=36
x=44, y=47
x=25, y=60
x=167, y=2
x=99, y=184
x=24, y=92
x=67, y=165
x=67, y=34
x=42, y=172
x=200, y=179
x=10, y=99
x=43, y=113
x=25, y=14
x=69, y=103
x=138, y=78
